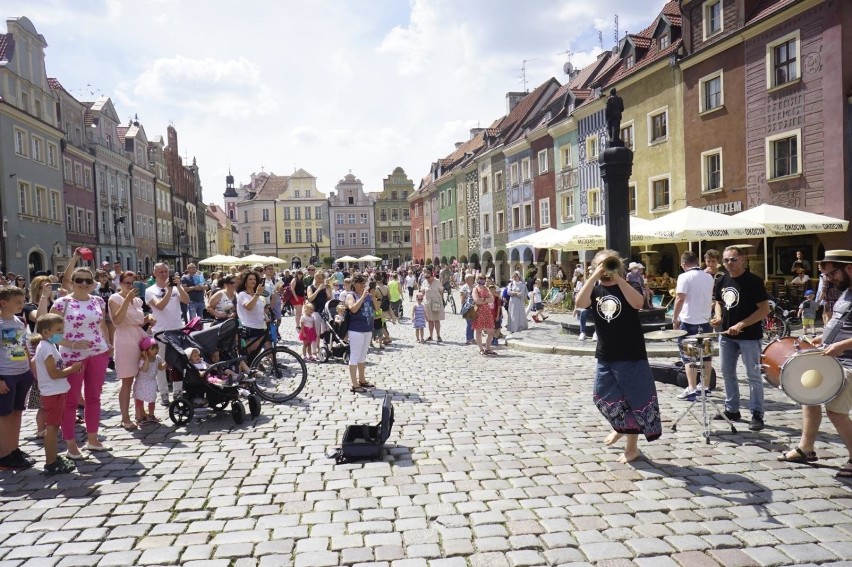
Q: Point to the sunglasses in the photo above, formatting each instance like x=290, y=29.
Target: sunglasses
x=831, y=273
x=730, y=260
x=86, y=281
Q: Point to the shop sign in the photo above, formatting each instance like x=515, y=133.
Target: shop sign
x=725, y=208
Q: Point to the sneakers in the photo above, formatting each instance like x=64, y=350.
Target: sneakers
x=164, y=400
x=581, y=337
x=688, y=394
x=756, y=421
x=61, y=465
x=731, y=415
x=15, y=461
x=594, y=336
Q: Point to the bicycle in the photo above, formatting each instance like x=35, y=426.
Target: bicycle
x=279, y=372
x=449, y=299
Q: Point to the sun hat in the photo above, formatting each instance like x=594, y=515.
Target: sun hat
x=837, y=257
x=146, y=342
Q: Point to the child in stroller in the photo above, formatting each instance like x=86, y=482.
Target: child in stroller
x=334, y=343
x=222, y=338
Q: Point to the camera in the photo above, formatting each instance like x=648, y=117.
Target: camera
x=372, y=285
x=172, y=278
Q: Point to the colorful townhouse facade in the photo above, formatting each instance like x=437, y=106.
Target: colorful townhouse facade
x=393, y=219
x=302, y=220
x=351, y=211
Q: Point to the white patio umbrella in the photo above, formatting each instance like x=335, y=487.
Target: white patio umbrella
x=541, y=239
x=219, y=260
x=346, y=259
x=368, y=258
x=585, y=236
x=274, y=260
x=254, y=259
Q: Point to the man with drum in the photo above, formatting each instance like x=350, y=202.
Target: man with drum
x=741, y=305
x=692, y=309
x=837, y=342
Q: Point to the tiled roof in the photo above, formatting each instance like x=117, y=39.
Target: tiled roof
x=7, y=46
x=272, y=187
x=641, y=42
x=587, y=73
x=122, y=133
x=54, y=84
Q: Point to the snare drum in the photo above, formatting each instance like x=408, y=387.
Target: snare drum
x=690, y=349
x=804, y=373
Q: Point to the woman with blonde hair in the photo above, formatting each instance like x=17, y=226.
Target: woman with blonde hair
x=624, y=390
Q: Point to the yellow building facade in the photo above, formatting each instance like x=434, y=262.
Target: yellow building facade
x=301, y=212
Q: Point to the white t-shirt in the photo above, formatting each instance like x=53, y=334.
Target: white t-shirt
x=47, y=385
x=252, y=318
x=698, y=287
x=409, y=281
x=168, y=319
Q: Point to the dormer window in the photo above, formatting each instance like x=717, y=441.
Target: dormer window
x=631, y=60
x=665, y=41
x=713, y=22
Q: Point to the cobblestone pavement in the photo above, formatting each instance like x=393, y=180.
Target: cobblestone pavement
x=493, y=461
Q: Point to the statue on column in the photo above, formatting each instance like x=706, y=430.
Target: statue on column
x=614, y=108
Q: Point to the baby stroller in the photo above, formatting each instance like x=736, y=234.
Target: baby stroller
x=224, y=339
x=333, y=344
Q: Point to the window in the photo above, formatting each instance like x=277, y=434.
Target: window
x=486, y=223
x=449, y=230
x=25, y=102
x=267, y=237
x=658, y=126
x=712, y=10
x=525, y=169
x=435, y=233
x=627, y=135
x=513, y=174
x=37, y=108
x=52, y=154
x=499, y=222
x=80, y=220
x=78, y=174
x=298, y=235
x=318, y=213
x=265, y=216
x=54, y=206
x=710, y=95
x=307, y=213
x=298, y=194
x=443, y=231
x=245, y=216
x=395, y=215
x=450, y=197
x=90, y=222
x=567, y=207
x=351, y=218
x=307, y=195
x=782, y=60
x=66, y=169
x=23, y=198
x=592, y=147
x=406, y=215
x=417, y=237
x=566, y=157
x=363, y=218
x=461, y=225
x=21, y=143
x=319, y=234
x=594, y=197
x=660, y=197
x=544, y=213
x=383, y=236
x=528, y=220
x=69, y=217
x=631, y=198
x=631, y=60
x=341, y=239
x=286, y=212
x=365, y=238
x=339, y=218
x=297, y=213
x=498, y=181
x=383, y=215
x=782, y=154
x=711, y=170
x=542, y=162
x=665, y=41
x=353, y=239
x=350, y=200
x=516, y=218
x=427, y=236
x=483, y=184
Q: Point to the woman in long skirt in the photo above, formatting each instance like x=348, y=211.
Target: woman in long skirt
x=624, y=390
x=517, y=311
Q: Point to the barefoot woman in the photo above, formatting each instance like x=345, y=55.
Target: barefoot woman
x=624, y=389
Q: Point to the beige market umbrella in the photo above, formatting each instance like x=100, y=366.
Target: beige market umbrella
x=254, y=259
x=368, y=258
x=220, y=260
x=541, y=239
x=346, y=259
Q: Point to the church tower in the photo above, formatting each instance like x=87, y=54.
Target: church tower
x=230, y=197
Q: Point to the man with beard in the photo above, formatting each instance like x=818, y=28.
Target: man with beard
x=741, y=305
x=837, y=342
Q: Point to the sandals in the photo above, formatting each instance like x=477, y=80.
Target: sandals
x=129, y=426
x=366, y=385
x=358, y=390
x=845, y=471
x=801, y=457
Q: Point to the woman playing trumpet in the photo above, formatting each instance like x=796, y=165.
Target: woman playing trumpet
x=624, y=390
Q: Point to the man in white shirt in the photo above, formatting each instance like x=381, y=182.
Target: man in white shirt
x=692, y=309
x=165, y=298
x=115, y=275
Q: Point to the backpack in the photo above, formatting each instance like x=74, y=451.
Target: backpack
x=384, y=304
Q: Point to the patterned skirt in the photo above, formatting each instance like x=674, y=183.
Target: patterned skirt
x=625, y=394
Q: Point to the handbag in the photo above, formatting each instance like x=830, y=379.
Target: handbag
x=436, y=306
x=468, y=310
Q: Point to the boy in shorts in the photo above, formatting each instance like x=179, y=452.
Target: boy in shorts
x=807, y=311
x=15, y=379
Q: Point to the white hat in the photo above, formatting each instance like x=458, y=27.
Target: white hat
x=640, y=266
x=633, y=265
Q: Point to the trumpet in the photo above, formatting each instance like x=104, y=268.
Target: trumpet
x=612, y=265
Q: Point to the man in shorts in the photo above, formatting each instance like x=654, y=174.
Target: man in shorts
x=837, y=267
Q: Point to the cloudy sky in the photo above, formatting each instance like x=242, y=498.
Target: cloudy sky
x=326, y=85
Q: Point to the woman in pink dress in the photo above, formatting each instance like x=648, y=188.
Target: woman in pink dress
x=128, y=317
x=483, y=324
x=85, y=341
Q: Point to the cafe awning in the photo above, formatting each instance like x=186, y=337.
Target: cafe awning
x=781, y=221
x=167, y=253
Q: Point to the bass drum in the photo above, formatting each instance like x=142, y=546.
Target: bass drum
x=807, y=376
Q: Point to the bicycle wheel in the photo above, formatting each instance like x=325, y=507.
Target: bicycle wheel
x=279, y=374
x=774, y=327
x=453, y=304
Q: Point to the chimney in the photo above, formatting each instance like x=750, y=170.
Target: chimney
x=512, y=100
x=458, y=144
x=474, y=132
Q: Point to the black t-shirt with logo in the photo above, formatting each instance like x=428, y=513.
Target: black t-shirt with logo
x=739, y=298
x=617, y=326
